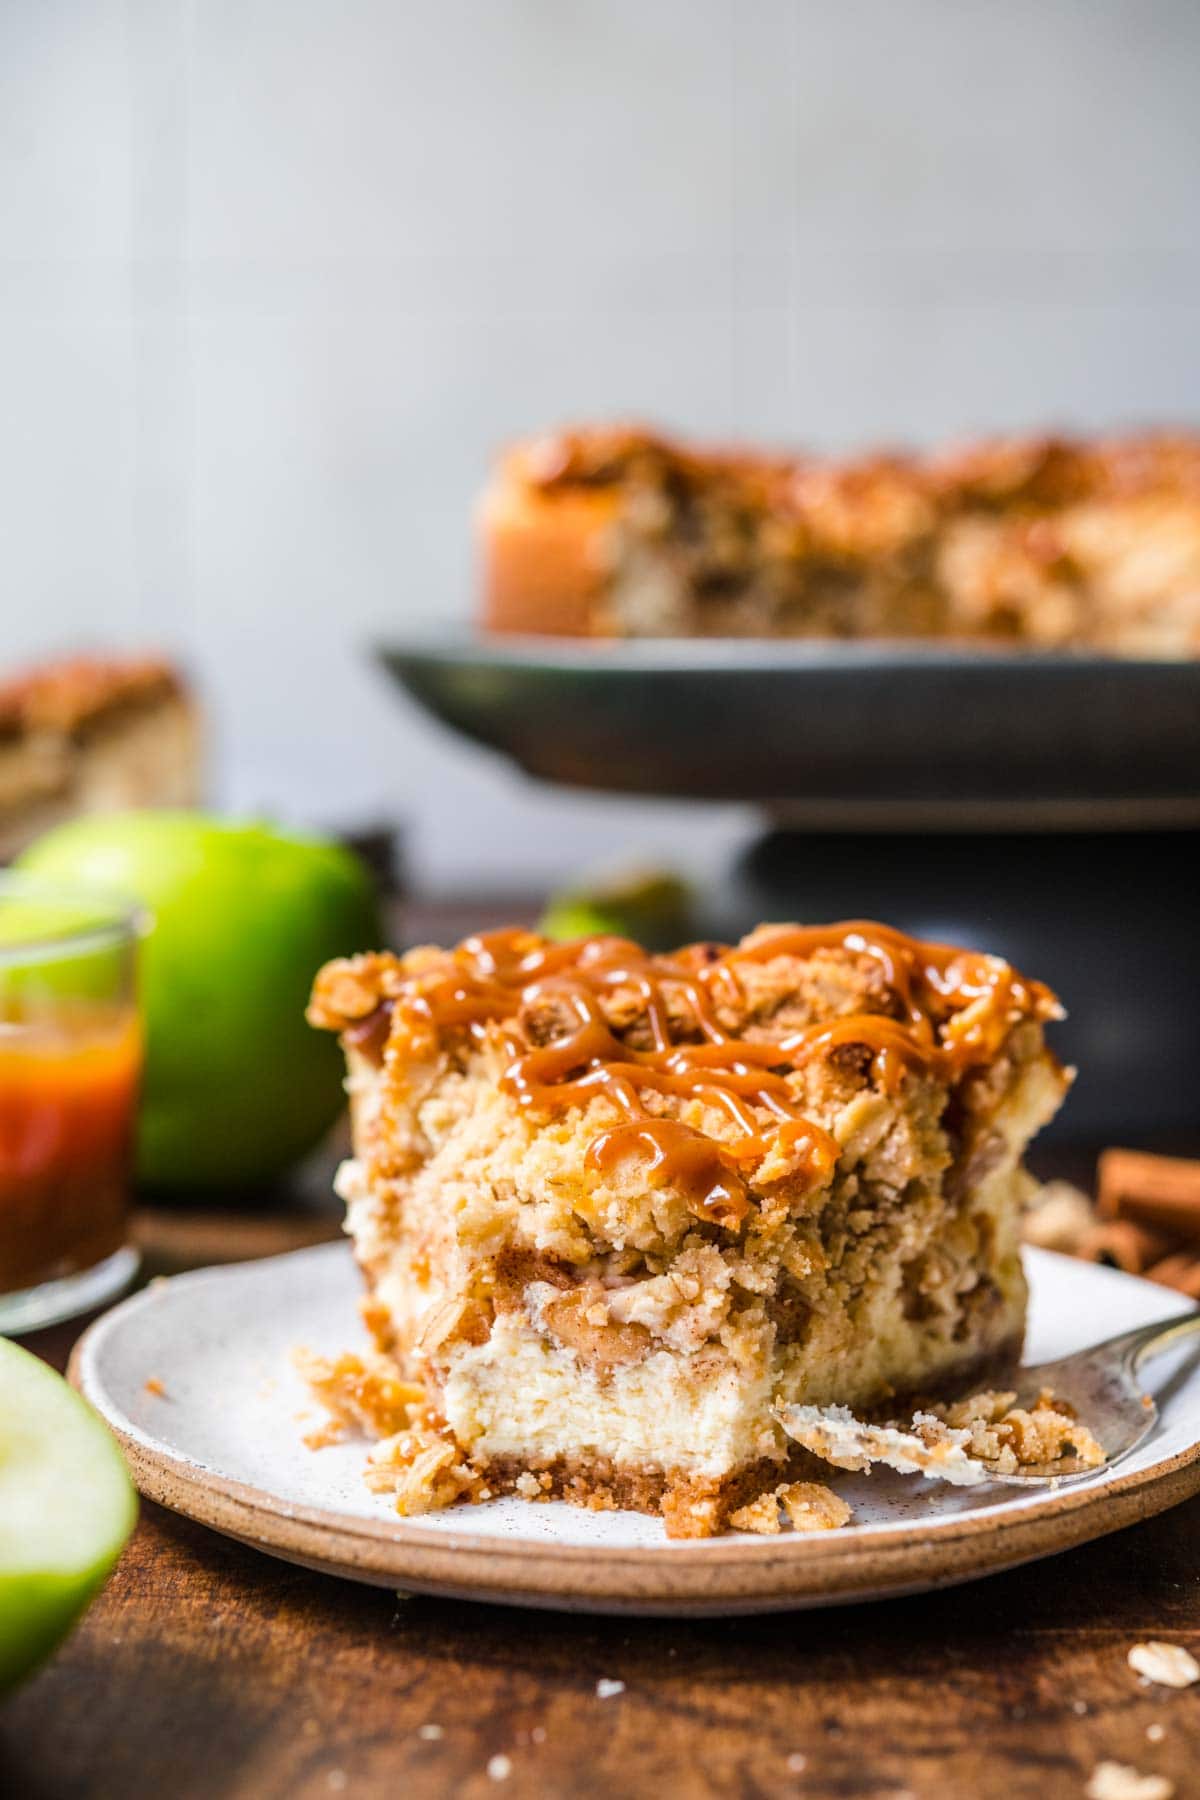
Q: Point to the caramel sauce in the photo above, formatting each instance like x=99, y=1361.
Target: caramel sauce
x=957, y=1006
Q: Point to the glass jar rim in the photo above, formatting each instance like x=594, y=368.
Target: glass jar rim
x=104, y=918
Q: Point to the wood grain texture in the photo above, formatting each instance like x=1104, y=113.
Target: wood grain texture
x=208, y=1669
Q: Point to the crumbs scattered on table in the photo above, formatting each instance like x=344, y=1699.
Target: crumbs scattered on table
x=1156, y=1733
x=606, y=1690
x=499, y=1768
x=430, y=1733
x=1167, y=1665
x=796, y=1763
x=1118, y=1781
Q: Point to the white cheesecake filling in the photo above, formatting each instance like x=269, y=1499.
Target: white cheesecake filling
x=520, y=1395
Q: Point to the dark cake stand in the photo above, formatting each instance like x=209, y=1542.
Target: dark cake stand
x=1041, y=806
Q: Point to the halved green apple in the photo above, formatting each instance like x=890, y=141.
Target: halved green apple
x=67, y=1506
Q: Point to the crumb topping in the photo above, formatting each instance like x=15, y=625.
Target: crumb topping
x=358, y=1393
x=733, y=1030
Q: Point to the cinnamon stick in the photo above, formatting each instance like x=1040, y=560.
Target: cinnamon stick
x=1130, y=1246
x=1160, y=1192
x=1180, y=1271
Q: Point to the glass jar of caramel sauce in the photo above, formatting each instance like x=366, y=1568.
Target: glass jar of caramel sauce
x=70, y=1068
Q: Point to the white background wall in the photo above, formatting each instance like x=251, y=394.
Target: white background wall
x=277, y=275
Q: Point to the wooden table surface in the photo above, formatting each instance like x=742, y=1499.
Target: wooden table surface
x=208, y=1669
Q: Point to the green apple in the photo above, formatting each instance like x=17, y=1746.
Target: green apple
x=242, y=916
x=653, y=907
x=67, y=1506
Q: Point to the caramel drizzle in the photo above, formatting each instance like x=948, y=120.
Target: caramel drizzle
x=957, y=1007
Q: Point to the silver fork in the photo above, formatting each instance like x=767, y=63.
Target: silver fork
x=1103, y=1386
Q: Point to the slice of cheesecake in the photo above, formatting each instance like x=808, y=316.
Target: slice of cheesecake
x=93, y=734
x=614, y=1211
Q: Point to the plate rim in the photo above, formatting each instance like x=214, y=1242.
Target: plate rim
x=679, y=1576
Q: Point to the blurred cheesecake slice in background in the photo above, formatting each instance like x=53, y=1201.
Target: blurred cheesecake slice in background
x=93, y=734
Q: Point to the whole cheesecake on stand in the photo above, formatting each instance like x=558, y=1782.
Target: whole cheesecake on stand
x=1046, y=542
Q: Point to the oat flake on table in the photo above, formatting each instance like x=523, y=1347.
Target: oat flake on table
x=1118, y=1781
x=1169, y=1665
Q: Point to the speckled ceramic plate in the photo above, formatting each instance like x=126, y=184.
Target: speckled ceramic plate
x=222, y=1443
